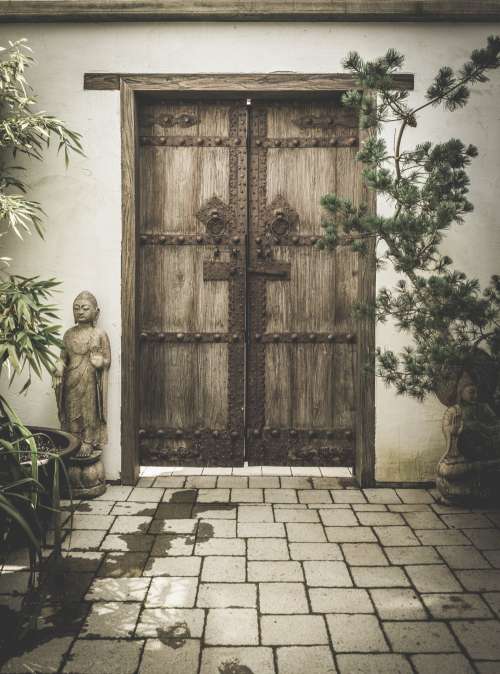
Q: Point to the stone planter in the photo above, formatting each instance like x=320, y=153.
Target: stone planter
x=460, y=480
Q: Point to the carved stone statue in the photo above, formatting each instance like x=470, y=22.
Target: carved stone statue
x=81, y=386
x=470, y=467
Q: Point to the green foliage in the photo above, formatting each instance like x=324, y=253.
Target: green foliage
x=28, y=320
x=25, y=132
x=450, y=319
x=27, y=328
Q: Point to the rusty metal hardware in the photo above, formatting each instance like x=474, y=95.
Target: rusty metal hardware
x=216, y=271
x=216, y=216
x=276, y=270
x=320, y=337
x=280, y=218
x=188, y=337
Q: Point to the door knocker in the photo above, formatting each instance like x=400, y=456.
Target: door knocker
x=280, y=218
x=216, y=216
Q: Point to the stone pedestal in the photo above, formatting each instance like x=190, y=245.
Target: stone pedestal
x=86, y=476
x=460, y=480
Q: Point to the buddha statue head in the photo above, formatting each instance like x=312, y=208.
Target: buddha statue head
x=467, y=390
x=85, y=309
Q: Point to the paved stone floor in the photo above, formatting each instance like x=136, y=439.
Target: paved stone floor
x=268, y=571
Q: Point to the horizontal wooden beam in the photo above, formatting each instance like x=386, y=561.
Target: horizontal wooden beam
x=250, y=10
x=231, y=83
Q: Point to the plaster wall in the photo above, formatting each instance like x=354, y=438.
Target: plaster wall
x=83, y=203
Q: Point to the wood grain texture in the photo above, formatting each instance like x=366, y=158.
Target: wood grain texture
x=250, y=10
x=195, y=118
x=254, y=84
x=176, y=182
x=302, y=177
x=309, y=412
x=191, y=375
x=304, y=303
x=184, y=385
x=129, y=355
x=299, y=386
x=173, y=295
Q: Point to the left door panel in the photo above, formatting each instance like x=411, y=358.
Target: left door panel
x=191, y=285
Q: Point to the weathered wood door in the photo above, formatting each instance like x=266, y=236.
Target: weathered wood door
x=248, y=342
x=193, y=210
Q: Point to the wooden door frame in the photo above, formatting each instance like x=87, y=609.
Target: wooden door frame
x=231, y=85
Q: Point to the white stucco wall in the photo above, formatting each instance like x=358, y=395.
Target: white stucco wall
x=82, y=244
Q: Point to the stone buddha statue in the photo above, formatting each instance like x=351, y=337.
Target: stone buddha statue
x=470, y=467
x=81, y=377
x=471, y=427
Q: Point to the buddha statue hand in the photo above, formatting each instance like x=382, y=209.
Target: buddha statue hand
x=97, y=358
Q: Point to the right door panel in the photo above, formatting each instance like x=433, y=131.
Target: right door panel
x=301, y=337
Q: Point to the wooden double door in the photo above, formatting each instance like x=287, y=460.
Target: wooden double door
x=248, y=341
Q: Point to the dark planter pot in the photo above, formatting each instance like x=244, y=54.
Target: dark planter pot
x=67, y=445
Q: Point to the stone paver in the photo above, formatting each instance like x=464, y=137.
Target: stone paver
x=447, y=606
x=270, y=570
x=327, y=574
x=356, y=634
x=437, y=578
x=44, y=658
x=340, y=600
x=350, y=535
x=227, y=595
x=373, y=664
x=174, y=592
x=232, y=626
x=420, y=637
x=111, y=620
x=261, y=513
x=181, y=660
x=118, y=589
x=217, y=660
x=261, y=530
x=295, y=515
x=120, y=656
x=119, y=564
x=283, y=630
x=364, y=554
x=424, y=554
x=315, y=551
x=480, y=638
x=262, y=572
x=282, y=598
x=224, y=569
x=267, y=548
x=300, y=659
x=398, y=604
x=480, y=581
x=173, y=566
x=305, y=533
x=452, y=663
x=171, y=623
x=379, y=576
